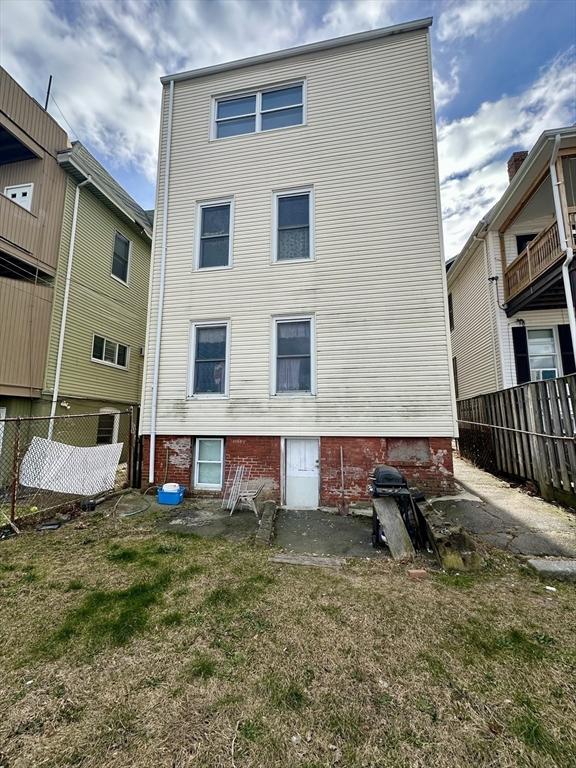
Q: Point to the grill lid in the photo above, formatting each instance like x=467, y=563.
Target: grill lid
x=389, y=477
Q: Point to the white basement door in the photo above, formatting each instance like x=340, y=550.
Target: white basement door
x=302, y=475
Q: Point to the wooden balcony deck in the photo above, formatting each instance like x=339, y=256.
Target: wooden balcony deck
x=538, y=256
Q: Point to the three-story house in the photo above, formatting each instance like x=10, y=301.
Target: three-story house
x=298, y=315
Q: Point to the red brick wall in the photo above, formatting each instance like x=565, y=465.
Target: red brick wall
x=177, y=451
x=426, y=463
x=261, y=455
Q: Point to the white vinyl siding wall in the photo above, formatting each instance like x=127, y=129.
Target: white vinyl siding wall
x=535, y=318
x=376, y=287
x=473, y=337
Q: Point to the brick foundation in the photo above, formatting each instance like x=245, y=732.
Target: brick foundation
x=172, y=461
x=426, y=462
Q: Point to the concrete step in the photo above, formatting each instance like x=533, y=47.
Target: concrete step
x=554, y=568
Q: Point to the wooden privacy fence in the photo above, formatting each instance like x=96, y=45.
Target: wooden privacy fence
x=527, y=432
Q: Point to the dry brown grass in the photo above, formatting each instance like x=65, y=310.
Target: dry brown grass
x=127, y=647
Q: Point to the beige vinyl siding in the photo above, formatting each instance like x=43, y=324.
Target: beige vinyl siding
x=98, y=304
x=24, y=324
x=376, y=287
x=473, y=335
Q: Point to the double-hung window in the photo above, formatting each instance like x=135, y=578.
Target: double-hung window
x=543, y=354
x=214, y=234
x=109, y=352
x=209, y=463
x=209, y=356
x=293, y=231
x=261, y=110
x=293, y=352
x=121, y=258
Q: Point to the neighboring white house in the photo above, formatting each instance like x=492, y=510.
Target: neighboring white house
x=507, y=295
x=298, y=308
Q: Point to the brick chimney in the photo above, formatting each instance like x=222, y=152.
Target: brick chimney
x=516, y=160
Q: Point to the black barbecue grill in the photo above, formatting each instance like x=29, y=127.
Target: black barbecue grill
x=389, y=481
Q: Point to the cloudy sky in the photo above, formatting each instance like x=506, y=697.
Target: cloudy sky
x=504, y=70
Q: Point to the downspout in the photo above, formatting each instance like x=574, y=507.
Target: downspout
x=163, y=247
x=564, y=244
x=60, y=352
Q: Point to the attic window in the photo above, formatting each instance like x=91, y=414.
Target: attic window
x=263, y=110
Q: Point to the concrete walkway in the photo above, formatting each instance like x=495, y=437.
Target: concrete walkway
x=507, y=517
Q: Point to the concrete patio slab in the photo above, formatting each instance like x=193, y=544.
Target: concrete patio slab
x=506, y=517
x=209, y=521
x=317, y=532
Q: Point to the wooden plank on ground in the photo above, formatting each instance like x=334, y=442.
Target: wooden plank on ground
x=397, y=537
x=313, y=560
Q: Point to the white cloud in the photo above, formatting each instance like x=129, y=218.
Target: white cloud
x=107, y=60
x=345, y=17
x=473, y=150
x=107, y=57
x=446, y=89
x=470, y=18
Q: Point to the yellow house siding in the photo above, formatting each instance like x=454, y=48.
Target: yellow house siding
x=98, y=304
x=473, y=337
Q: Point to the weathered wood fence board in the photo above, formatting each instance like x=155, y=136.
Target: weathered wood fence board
x=527, y=432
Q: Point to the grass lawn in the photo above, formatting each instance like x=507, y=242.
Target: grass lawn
x=125, y=647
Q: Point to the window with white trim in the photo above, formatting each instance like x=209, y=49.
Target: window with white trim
x=209, y=357
x=262, y=110
x=543, y=354
x=293, y=355
x=293, y=225
x=21, y=194
x=109, y=352
x=214, y=239
x=208, y=464
x=121, y=258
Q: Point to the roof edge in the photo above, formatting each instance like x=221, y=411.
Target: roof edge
x=545, y=138
x=66, y=160
x=321, y=45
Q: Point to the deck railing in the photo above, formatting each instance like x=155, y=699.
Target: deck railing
x=538, y=256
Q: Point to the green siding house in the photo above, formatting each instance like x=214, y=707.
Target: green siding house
x=97, y=334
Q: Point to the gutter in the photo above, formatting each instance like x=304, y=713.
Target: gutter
x=322, y=45
x=163, y=248
x=564, y=245
x=65, y=307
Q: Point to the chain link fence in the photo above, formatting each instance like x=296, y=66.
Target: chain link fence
x=45, y=467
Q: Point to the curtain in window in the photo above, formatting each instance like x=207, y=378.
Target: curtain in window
x=210, y=361
x=293, y=357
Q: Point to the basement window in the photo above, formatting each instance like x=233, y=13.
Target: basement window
x=109, y=352
x=209, y=461
x=257, y=111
